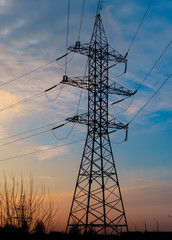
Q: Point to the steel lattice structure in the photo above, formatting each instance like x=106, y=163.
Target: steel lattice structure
x=97, y=203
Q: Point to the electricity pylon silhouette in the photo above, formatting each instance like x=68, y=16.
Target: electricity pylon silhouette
x=97, y=204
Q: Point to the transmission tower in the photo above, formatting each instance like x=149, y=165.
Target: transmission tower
x=97, y=204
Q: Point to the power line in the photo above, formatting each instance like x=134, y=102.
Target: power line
x=150, y=99
x=79, y=101
x=67, y=34
x=31, y=98
x=36, y=134
x=145, y=76
x=33, y=135
x=139, y=26
x=82, y=12
x=83, y=5
x=154, y=65
x=18, y=140
x=32, y=130
x=129, y=105
x=34, y=70
x=61, y=65
x=54, y=99
x=43, y=150
x=73, y=123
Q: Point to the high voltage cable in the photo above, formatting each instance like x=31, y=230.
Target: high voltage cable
x=66, y=123
x=67, y=34
x=82, y=12
x=34, y=70
x=44, y=92
x=146, y=104
x=31, y=98
x=154, y=64
x=33, y=135
x=43, y=150
x=45, y=125
x=146, y=74
x=31, y=130
x=150, y=99
x=20, y=139
x=52, y=100
x=83, y=5
x=36, y=134
x=62, y=65
x=75, y=113
x=139, y=26
x=129, y=105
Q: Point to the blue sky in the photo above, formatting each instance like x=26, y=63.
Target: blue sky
x=33, y=33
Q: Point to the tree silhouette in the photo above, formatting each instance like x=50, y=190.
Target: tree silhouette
x=25, y=207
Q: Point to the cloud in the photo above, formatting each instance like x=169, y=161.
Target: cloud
x=2, y=2
x=50, y=154
x=6, y=99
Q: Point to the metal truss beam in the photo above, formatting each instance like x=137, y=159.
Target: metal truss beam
x=84, y=83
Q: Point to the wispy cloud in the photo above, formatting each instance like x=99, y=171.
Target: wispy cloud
x=50, y=154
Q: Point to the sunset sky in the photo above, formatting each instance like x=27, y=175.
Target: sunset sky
x=33, y=33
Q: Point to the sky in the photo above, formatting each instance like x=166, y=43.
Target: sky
x=33, y=33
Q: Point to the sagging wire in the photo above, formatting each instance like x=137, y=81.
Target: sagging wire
x=62, y=86
x=67, y=40
x=154, y=65
x=125, y=128
x=118, y=76
x=67, y=34
x=131, y=44
x=62, y=65
x=25, y=74
x=150, y=98
x=34, y=70
x=58, y=95
x=68, y=122
x=117, y=142
x=124, y=110
x=113, y=65
x=79, y=33
x=24, y=101
x=156, y=62
x=82, y=12
x=79, y=101
x=23, y=138
x=121, y=100
x=38, y=95
x=126, y=134
x=31, y=130
x=39, y=151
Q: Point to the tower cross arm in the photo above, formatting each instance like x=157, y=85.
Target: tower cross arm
x=81, y=118
x=80, y=48
x=113, y=123
x=113, y=55
x=116, y=57
x=116, y=124
x=116, y=88
x=80, y=82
